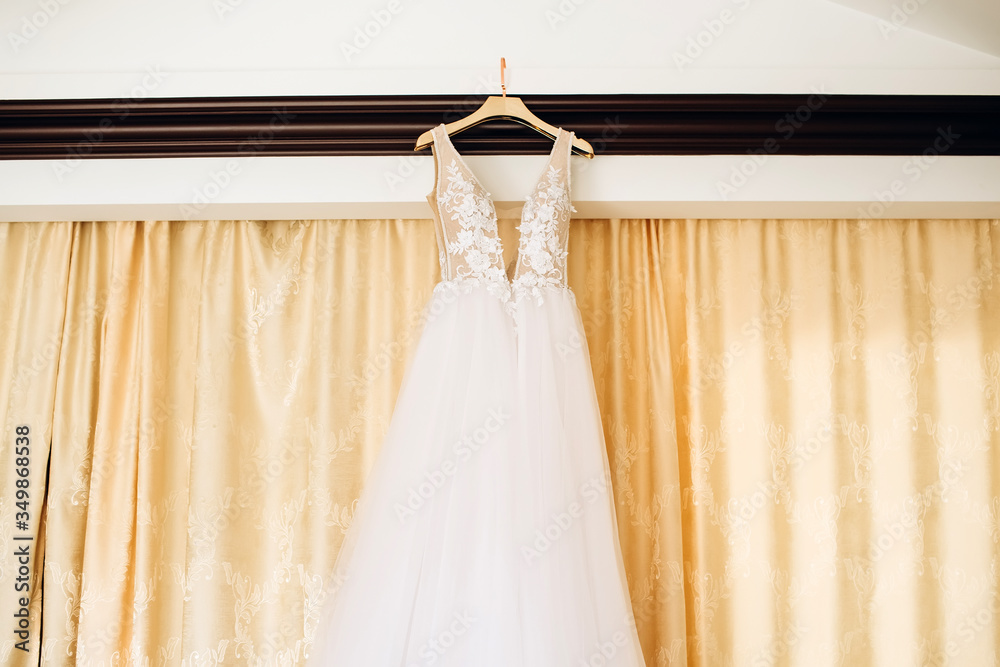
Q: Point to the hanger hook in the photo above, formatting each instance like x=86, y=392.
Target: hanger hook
x=503, y=84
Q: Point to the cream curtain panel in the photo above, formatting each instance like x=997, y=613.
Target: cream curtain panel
x=802, y=417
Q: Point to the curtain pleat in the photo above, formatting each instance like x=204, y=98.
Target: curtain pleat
x=802, y=420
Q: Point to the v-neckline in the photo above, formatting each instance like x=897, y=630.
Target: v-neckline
x=508, y=278
x=531, y=192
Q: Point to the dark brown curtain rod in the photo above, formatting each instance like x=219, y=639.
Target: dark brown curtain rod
x=804, y=124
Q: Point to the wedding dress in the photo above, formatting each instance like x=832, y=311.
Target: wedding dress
x=486, y=533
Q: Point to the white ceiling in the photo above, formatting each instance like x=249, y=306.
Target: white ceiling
x=971, y=23
x=117, y=48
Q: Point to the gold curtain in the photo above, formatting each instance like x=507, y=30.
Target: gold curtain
x=802, y=419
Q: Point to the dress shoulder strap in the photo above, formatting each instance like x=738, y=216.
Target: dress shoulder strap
x=438, y=148
x=441, y=158
x=564, y=157
x=446, y=160
x=441, y=146
x=559, y=160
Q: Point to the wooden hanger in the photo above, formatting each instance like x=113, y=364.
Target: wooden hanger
x=508, y=108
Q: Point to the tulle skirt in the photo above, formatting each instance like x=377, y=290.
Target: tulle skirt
x=485, y=535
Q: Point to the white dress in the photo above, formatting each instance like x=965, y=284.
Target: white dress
x=486, y=533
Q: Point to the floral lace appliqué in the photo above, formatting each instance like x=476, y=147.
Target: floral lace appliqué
x=479, y=251
x=542, y=252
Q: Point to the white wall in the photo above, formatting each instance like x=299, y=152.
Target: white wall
x=131, y=49
x=704, y=186
x=95, y=48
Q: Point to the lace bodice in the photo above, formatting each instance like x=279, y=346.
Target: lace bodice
x=470, y=250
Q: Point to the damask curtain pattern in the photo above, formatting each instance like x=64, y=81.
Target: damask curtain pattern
x=802, y=422
x=837, y=391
